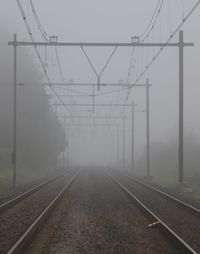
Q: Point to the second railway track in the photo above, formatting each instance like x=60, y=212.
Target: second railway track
x=176, y=200
x=180, y=217
x=19, y=197
x=20, y=215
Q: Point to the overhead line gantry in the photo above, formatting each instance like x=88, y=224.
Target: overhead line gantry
x=180, y=45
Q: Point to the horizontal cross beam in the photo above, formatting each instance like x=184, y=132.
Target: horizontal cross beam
x=98, y=44
x=95, y=117
x=105, y=125
x=77, y=84
x=68, y=95
x=86, y=84
x=96, y=105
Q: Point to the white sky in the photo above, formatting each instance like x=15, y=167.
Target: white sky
x=117, y=21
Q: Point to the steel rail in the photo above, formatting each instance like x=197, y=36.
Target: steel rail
x=164, y=194
x=10, y=203
x=162, y=226
x=23, y=241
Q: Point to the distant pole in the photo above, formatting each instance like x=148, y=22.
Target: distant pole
x=64, y=119
x=56, y=111
x=14, y=152
x=133, y=155
x=68, y=148
x=124, y=137
x=181, y=105
x=147, y=129
x=93, y=99
x=118, y=160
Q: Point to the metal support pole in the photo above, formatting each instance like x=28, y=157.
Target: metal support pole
x=181, y=105
x=68, y=148
x=14, y=152
x=124, y=141
x=118, y=160
x=133, y=155
x=56, y=109
x=147, y=129
x=98, y=83
x=93, y=99
x=64, y=119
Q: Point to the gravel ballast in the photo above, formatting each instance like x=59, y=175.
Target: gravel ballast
x=16, y=220
x=96, y=217
x=181, y=220
x=20, y=189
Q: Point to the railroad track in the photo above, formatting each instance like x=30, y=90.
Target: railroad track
x=13, y=201
x=185, y=205
x=25, y=239
x=23, y=211
x=156, y=220
x=95, y=211
x=19, y=246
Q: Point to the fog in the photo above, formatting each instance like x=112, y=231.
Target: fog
x=95, y=141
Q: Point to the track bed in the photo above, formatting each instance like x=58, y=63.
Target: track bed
x=96, y=217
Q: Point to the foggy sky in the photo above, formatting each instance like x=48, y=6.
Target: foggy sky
x=117, y=21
